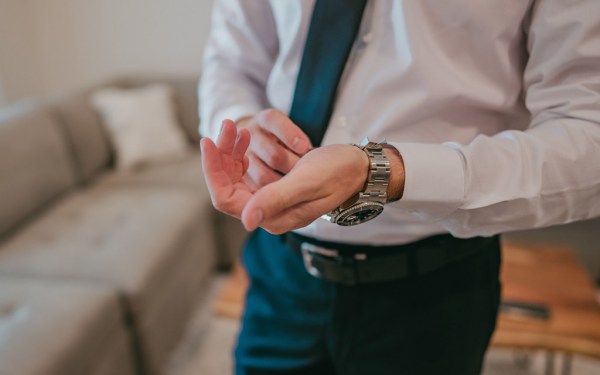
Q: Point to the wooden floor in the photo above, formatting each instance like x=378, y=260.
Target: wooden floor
x=230, y=300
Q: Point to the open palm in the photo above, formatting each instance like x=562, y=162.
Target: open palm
x=225, y=166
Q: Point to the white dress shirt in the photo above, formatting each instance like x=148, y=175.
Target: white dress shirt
x=494, y=105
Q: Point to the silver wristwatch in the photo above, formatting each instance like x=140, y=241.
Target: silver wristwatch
x=368, y=203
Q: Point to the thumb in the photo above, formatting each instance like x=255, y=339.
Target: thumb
x=274, y=199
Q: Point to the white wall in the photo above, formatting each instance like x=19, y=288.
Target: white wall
x=64, y=45
x=18, y=60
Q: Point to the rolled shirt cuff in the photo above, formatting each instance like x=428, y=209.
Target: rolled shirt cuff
x=434, y=179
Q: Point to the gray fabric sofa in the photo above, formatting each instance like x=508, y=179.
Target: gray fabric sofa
x=99, y=271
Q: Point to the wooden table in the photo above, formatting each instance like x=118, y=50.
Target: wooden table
x=555, y=278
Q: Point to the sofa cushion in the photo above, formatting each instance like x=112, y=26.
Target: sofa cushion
x=104, y=235
x=230, y=234
x=185, y=173
x=86, y=135
x=60, y=329
x=142, y=124
x=131, y=238
x=116, y=358
x=186, y=99
x=186, y=96
x=35, y=165
x=164, y=321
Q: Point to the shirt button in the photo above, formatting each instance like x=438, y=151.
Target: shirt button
x=367, y=38
x=342, y=122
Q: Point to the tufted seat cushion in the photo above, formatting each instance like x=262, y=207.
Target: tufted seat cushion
x=229, y=232
x=151, y=244
x=186, y=173
x=61, y=329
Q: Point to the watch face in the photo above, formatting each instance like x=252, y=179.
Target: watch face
x=359, y=213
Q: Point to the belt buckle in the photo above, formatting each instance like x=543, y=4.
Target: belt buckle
x=308, y=250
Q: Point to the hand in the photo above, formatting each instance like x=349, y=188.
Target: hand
x=321, y=181
x=225, y=165
x=276, y=146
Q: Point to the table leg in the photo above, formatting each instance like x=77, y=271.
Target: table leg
x=549, y=363
x=567, y=364
x=522, y=359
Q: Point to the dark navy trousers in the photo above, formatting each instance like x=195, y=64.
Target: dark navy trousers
x=438, y=323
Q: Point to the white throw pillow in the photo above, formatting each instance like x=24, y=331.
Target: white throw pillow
x=142, y=124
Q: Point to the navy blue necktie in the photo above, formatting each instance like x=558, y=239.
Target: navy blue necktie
x=333, y=28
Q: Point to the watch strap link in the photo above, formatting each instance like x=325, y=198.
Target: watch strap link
x=369, y=202
x=379, y=174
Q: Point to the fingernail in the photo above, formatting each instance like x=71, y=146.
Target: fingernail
x=257, y=217
x=222, y=127
x=300, y=145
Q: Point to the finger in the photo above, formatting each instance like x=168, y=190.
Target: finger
x=221, y=188
x=285, y=130
x=216, y=178
x=321, y=181
x=272, y=153
x=241, y=144
x=275, y=198
x=211, y=158
x=260, y=173
x=252, y=186
x=227, y=137
x=295, y=217
x=245, y=164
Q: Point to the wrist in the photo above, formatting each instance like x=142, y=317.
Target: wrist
x=365, y=167
x=371, y=173
x=395, y=187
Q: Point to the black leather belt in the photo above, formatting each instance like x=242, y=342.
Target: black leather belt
x=360, y=264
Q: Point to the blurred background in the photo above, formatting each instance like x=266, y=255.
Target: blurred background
x=57, y=46
x=112, y=260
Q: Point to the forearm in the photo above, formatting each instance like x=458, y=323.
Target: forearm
x=397, y=176
x=225, y=94
x=515, y=180
x=547, y=174
x=238, y=59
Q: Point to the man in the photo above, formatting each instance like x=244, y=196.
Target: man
x=491, y=113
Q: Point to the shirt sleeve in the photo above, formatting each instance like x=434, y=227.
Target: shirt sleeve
x=548, y=174
x=238, y=58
